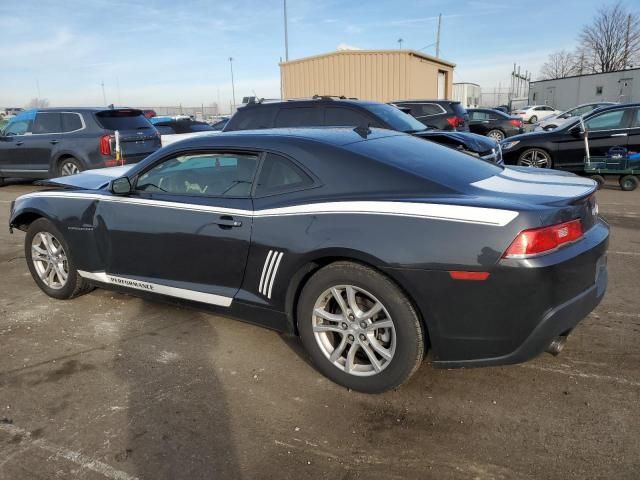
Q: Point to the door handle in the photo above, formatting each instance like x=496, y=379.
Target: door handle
x=619, y=135
x=19, y=143
x=53, y=142
x=227, y=221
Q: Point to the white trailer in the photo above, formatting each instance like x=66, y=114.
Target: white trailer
x=468, y=94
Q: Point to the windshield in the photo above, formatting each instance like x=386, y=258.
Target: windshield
x=396, y=118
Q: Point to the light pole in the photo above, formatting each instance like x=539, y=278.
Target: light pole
x=400, y=43
x=233, y=86
x=104, y=97
x=286, y=36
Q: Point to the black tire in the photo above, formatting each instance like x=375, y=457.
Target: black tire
x=496, y=134
x=533, y=119
x=410, y=339
x=599, y=180
x=628, y=183
x=1, y=182
x=75, y=285
x=523, y=162
x=69, y=164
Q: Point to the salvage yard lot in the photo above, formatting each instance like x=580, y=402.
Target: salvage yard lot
x=112, y=386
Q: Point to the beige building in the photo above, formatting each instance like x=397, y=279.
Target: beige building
x=381, y=75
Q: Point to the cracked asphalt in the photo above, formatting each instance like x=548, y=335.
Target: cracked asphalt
x=109, y=386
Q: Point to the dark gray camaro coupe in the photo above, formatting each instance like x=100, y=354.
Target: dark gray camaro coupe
x=373, y=246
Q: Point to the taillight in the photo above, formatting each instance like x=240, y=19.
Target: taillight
x=516, y=122
x=455, y=122
x=105, y=144
x=537, y=241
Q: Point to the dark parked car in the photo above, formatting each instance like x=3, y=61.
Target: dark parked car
x=613, y=127
x=370, y=247
x=173, y=129
x=51, y=142
x=220, y=124
x=494, y=123
x=440, y=114
x=348, y=112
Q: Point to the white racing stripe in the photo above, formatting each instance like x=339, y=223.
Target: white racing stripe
x=435, y=211
x=503, y=184
x=184, y=293
x=533, y=176
x=264, y=270
x=269, y=270
x=273, y=275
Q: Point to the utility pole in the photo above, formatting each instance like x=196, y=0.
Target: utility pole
x=438, y=36
x=286, y=35
x=38, y=87
x=118, y=87
x=233, y=86
x=104, y=97
x=400, y=43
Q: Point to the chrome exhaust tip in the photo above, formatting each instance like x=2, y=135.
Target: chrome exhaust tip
x=556, y=345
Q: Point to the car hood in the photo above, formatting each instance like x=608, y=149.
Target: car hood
x=475, y=143
x=89, y=179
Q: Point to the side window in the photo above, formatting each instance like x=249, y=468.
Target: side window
x=202, y=174
x=344, y=117
x=19, y=127
x=71, y=122
x=636, y=118
x=298, y=117
x=606, y=121
x=428, y=109
x=279, y=175
x=477, y=115
x=252, y=118
x=47, y=122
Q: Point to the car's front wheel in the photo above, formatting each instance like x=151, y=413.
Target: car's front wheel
x=50, y=263
x=535, y=157
x=359, y=328
x=533, y=119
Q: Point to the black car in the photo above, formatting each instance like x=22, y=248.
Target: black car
x=51, y=142
x=494, y=123
x=369, y=246
x=348, y=112
x=440, y=114
x=609, y=129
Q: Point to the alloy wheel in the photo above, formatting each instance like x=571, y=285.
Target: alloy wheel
x=50, y=260
x=69, y=168
x=535, y=158
x=497, y=135
x=354, y=330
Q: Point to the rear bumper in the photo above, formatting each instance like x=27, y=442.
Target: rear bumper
x=558, y=321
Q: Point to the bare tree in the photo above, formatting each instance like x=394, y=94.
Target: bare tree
x=612, y=41
x=560, y=64
x=38, y=103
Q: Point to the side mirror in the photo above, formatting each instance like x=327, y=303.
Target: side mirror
x=576, y=131
x=121, y=186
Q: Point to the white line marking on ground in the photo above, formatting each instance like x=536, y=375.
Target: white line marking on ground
x=635, y=254
x=576, y=373
x=78, y=458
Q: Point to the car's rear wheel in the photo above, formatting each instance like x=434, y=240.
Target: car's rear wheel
x=628, y=183
x=50, y=263
x=535, y=157
x=69, y=166
x=533, y=119
x=496, y=134
x=359, y=328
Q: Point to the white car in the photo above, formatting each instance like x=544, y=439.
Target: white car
x=555, y=121
x=173, y=129
x=533, y=113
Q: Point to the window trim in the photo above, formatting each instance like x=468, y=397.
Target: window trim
x=315, y=181
x=443, y=110
x=84, y=125
x=625, y=120
x=257, y=153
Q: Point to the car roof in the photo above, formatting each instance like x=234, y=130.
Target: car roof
x=323, y=100
x=85, y=109
x=615, y=106
x=430, y=100
x=338, y=136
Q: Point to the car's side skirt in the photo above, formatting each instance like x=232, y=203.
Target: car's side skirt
x=183, y=293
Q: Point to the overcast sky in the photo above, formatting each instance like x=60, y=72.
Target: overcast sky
x=158, y=53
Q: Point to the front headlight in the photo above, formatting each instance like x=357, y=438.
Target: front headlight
x=509, y=144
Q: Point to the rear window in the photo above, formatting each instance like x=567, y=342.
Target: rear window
x=122, y=120
x=434, y=162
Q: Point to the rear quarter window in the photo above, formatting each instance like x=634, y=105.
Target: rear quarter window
x=122, y=120
x=439, y=164
x=251, y=118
